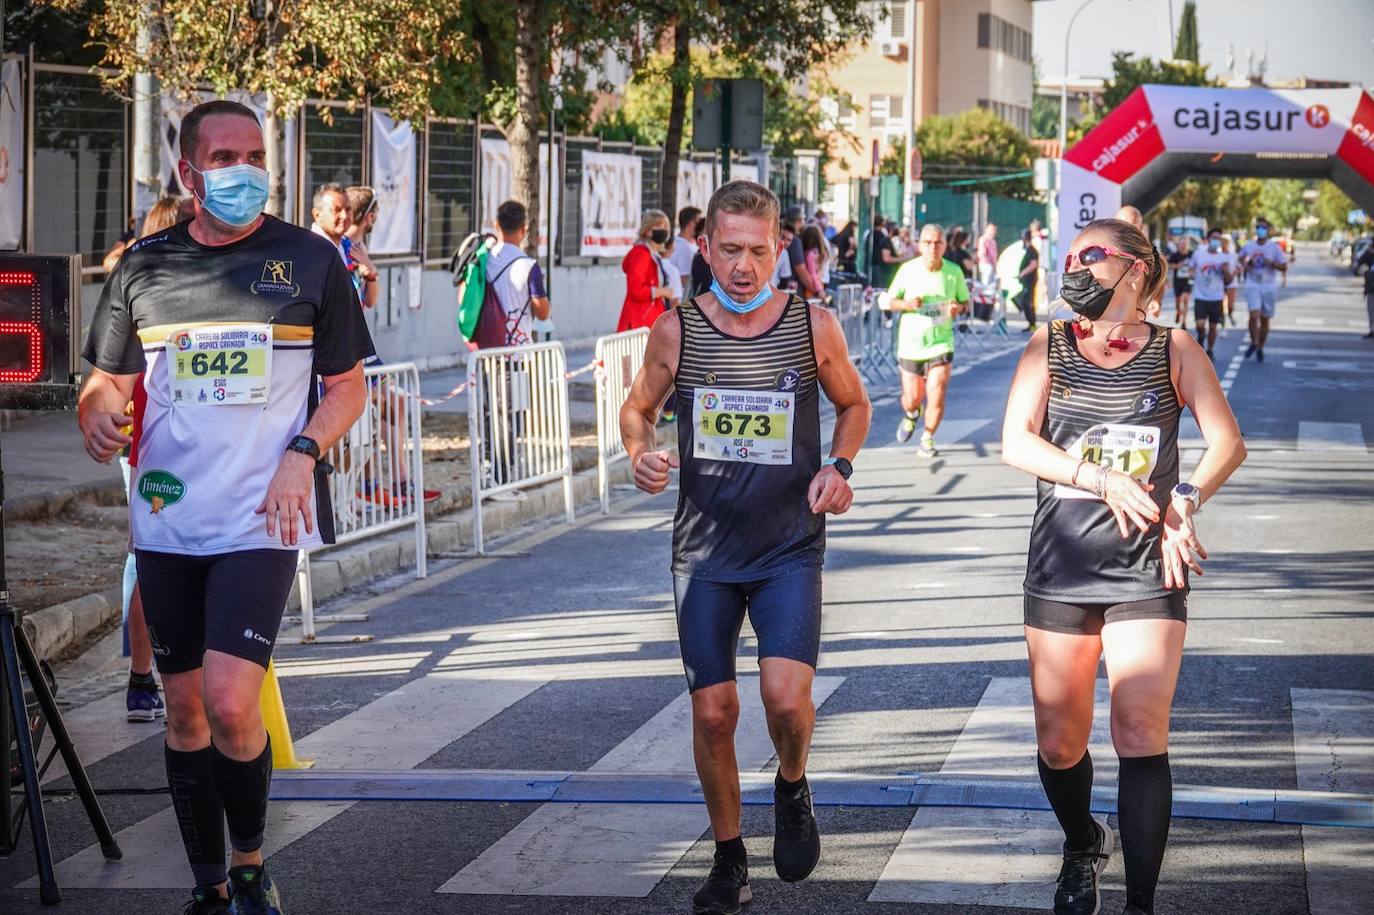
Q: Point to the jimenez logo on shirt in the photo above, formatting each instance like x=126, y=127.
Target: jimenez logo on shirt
x=276, y=278
x=160, y=489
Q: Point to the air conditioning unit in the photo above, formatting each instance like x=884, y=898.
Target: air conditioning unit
x=892, y=48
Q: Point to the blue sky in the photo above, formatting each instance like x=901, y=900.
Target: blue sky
x=1327, y=39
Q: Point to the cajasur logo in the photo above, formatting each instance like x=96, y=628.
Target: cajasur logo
x=160, y=489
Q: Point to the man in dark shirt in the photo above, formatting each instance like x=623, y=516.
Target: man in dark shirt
x=882, y=259
x=224, y=323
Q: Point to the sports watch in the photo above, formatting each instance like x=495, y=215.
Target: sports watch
x=304, y=444
x=841, y=465
x=1188, y=492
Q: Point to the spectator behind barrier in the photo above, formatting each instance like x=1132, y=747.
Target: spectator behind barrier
x=515, y=276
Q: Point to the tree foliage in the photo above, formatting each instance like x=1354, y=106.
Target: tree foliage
x=972, y=144
x=1332, y=207
x=1281, y=201
x=1186, y=45
x=289, y=50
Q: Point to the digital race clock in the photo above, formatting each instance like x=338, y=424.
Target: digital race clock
x=40, y=327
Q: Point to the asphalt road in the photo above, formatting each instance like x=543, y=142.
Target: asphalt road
x=566, y=660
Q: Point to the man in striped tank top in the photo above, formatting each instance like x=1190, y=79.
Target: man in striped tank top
x=747, y=363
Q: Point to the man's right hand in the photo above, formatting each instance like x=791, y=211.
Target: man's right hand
x=102, y=434
x=651, y=470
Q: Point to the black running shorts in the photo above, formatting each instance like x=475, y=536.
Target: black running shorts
x=232, y=602
x=1207, y=310
x=1182, y=286
x=1088, y=619
x=785, y=611
x=924, y=366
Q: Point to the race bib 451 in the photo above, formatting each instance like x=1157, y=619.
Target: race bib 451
x=1133, y=450
x=750, y=426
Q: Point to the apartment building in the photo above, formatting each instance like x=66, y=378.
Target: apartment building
x=967, y=53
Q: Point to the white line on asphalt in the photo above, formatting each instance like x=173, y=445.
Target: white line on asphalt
x=1347, y=367
x=1331, y=437
x=1333, y=749
x=1310, y=322
x=619, y=849
x=1231, y=371
x=100, y=729
x=989, y=857
x=400, y=730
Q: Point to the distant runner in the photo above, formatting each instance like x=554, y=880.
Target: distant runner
x=1263, y=261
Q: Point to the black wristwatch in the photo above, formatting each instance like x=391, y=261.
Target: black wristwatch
x=304, y=444
x=841, y=465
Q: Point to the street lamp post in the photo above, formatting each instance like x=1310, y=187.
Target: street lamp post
x=1064, y=82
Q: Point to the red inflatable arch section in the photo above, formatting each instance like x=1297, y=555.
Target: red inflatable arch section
x=1161, y=135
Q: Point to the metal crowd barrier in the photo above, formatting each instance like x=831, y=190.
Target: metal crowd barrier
x=618, y=360
x=518, y=424
x=880, y=354
x=849, y=308
x=378, y=482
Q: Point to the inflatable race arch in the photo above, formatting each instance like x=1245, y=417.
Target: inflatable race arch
x=1161, y=135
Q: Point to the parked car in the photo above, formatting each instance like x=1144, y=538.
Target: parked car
x=1358, y=266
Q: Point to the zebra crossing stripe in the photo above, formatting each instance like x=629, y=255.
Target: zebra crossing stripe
x=951, y=856
x=384, y=734
x=619, y=849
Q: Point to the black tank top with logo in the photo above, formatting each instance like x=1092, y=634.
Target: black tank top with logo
x=739, y=519
x=1119, y=415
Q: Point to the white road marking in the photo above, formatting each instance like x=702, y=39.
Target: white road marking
x=1333, y=749
x=1330, y=365
x=1331, y=437
x=100, y=729
x=380, y=735
x=619, y=849
x=1232, y=370
x=1310, y=322
x=989, y=857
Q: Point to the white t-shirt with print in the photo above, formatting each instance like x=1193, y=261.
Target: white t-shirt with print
x=1209, y=282
x=517, y=279
x=1259, y=259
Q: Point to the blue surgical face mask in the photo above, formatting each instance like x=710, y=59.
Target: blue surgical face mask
x=234, y=195
x=741, y=308
x=1214, y=245
x=1261, y=232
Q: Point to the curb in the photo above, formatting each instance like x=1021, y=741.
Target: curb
x=47, y=505
x=56, y=629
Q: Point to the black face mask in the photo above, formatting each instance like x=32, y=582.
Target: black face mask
x=1085, y=295
x=659, y=236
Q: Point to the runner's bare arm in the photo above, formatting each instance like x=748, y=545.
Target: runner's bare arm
x=1195, y=379
x=639, y=415
x=829, y=491
x=100, y=412
x=288, y=495
x=1024, y=449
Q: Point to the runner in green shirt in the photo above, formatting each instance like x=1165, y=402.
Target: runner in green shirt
x=927, y=293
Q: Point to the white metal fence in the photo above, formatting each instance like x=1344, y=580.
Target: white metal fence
x=618, y=360
x=378, y=483
x=849, y=308
x=517, y=424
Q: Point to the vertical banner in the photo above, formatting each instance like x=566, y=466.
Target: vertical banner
x=497, y=172
x=393, y=179
x=611, y=205
x=696, y=182
x=11, y=155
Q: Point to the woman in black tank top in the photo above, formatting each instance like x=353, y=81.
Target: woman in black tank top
x=1093, y=413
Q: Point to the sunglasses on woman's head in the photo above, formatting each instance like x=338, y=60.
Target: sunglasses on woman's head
x=1093, y=254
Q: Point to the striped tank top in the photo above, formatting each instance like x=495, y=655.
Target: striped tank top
x=749, y=439
x=1127, y=416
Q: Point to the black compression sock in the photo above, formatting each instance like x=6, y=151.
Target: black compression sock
x=199, y=813
x=733, y=848
x=783, y=786
x=1145, y=796
x=244, y=786
x=141, y=681
x=1070, y=794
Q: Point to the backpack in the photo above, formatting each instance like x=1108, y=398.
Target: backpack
x=481, y=316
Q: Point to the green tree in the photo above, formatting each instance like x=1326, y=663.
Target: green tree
x=287, y=50
x=1281, y=200
x=1186, y=46
x=970, y=145
x=786, y=37
x=1332, y=207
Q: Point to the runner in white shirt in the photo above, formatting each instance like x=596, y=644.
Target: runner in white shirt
x=1211, y=270
x=1263, y=261
x=685, y=245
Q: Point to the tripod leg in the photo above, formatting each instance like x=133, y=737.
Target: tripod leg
x=47, y=880
x=108, y=846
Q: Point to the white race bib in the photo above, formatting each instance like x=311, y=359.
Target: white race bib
x=754, y=427
x=1130, y=449
x=223, y=365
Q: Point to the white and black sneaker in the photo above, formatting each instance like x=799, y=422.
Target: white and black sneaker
x=726, y=888
x=1076, y=893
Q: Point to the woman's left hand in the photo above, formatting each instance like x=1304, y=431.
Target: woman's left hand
x=1179, y=544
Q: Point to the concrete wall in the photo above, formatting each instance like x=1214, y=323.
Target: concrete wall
x=586, y=304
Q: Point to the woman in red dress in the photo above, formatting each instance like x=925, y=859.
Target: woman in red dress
x=646, y=288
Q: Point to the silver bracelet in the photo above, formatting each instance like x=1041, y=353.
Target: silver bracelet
x=1100, y=486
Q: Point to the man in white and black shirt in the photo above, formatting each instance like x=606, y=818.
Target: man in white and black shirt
x=515, y=276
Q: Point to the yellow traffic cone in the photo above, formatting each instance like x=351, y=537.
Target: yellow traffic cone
x=274, y=717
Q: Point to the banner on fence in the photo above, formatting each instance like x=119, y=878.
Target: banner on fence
x=173, y=110
x=696, y=182
x=393, y=178
x=497, y=173
x=11, y=155
x=610, y=203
